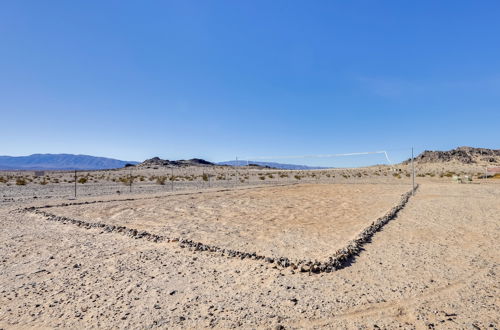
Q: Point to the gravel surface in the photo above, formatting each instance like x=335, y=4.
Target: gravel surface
x=433, y=266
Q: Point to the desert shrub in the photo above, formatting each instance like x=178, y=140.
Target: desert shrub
x=44, y=182
x=20, y=181
x=82, y=180
x=449, y=174
x=126, y=180
x=205, y=177
x=270, y=175
x=345, y=176
x=283, y=175
x=297, y=177
x=161, y=180
x=407, y=175
x=262, y=177
x=3, y=180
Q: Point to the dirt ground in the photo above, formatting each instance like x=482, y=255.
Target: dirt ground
x=434, y=266
x=299, y=222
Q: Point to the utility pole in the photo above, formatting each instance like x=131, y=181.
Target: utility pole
x=413, y=173
x=75, y=183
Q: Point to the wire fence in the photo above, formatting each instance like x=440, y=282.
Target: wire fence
x=74, y=184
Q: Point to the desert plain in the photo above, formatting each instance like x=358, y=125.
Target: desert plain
x=434, y=264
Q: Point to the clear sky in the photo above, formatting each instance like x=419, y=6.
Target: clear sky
x=220, y=79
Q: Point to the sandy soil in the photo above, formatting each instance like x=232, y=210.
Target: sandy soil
x=298, y=222
x=434, y=266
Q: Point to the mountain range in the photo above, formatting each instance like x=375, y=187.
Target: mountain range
x=60, y=162
x=463, y=155
x=270, y=164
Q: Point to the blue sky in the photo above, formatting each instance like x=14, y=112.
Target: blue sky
x=219, y=79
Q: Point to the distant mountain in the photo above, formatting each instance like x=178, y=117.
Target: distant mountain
x=60, y=162
x=271, y=164
x=157, y=161
x=464, y=155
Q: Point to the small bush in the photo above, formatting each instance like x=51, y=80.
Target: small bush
x=82, y=180
x=297, y=177
x=262, y=177
x=161, y=180
x=205, y=177
x=20, y=182
x=126, y=180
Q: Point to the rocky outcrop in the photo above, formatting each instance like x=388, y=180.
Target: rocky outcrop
x=464, y=155
x=157, y=162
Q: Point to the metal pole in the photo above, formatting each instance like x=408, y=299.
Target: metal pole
x=75, y=183
x=413, y=173
x=172, y=179
x=130, y=180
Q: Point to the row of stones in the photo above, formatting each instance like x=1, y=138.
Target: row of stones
x=340, y=258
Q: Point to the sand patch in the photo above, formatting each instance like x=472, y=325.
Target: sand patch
x=308, y=221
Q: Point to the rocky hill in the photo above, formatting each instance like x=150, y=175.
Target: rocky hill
x=461, y=155
x=157, y=162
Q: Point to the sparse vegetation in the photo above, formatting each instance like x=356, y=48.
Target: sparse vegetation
x=20, y=181
x=161, y=180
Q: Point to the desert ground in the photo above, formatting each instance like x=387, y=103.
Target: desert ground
x=434, y=264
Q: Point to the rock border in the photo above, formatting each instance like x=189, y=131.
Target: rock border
x=340, y=259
